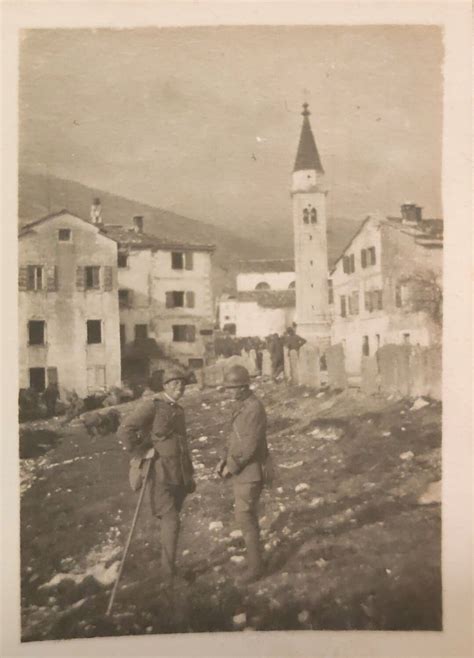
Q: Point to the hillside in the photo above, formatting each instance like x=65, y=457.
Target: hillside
x=40, y=195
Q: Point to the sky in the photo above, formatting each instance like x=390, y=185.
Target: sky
x=206, y=121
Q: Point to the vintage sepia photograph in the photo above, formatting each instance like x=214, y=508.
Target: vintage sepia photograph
x=230, y=329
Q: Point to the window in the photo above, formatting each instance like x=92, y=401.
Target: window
x=141, y=331
x=36, y=332
x=207, y=332
x=230, y=328
x=95, y=377
x=306, y=216
x=122, y=259
x=377, y=339
x=292, y=285
x=352, y=264
x=343, y=306
x=348, y=264
x=196, y=363
x=365, y=346
x=398, y=296
x=368, y=301
x=314, y=216
x=184, y=333
x=371, y=255
x=92, y=277
x=363, y=258
x=354, y=303
x=174, y=299
x=263, y=285
x=37, y=379
x=378, y=301
x=52, y=375
x=94, y=331
x=406, y=339
x=125, y=298
x=123, y=335
x=34, y=277
x=190, y=299
x=177, y=260
x=189, y=260
x=330, y=292
x=64, y=235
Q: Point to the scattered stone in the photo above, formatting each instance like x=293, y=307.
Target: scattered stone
x=78, y=604
x=386, y=434
x=301, y=487
x=321, y=563
x=407, y=456
x=279, y=490
x=202, y=439
x=216, y=525
x=293, y=465
x=330, y=433
x=303, y=616
x=185, y=552
x=315, y=502
x=388, y=571
x=268, y=547
x=240, y=620
x=286, y=531
x=431, y=495
x=419, y=403
x=237, y=559
x=236, y=534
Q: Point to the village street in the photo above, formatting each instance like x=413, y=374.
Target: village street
x=351, y=529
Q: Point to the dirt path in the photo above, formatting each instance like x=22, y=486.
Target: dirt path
x=347, y=543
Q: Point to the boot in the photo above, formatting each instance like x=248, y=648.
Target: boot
x=254, y=557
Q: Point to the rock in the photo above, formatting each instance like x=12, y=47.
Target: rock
x=237, y=559
x=419, y=403
x=303, y=616
x=431, y=495
x=301, y=487
x=291, y=465
x=407, y=456
x=240, y=620
x=185, y=552
x=386, y=434
x=236, y=534
x=315, y=502
x=321, y=563
x=330, y=433
x=78, y=604
x=202, y=439
x=148, y=629
x=216, y=525
x=279, y=490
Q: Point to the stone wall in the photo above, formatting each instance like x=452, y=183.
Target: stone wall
x=335, y=360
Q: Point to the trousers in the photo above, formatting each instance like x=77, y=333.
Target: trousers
x=246, y=498
x=166, y=503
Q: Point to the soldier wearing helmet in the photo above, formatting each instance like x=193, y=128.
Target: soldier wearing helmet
x=156, y=430
x=246, y=453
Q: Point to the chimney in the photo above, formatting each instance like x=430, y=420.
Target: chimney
x=138, y=224
x=411, y=212
x=96, y=211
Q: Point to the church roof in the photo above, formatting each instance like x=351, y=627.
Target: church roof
x=269, y=298
x=265, y=265
x=307, y=156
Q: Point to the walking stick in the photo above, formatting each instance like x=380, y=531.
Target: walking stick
x=129, y=538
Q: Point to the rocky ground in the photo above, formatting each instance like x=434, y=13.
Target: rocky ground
x=351, y=530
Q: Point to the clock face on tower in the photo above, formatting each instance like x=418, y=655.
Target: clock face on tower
x=310, y=215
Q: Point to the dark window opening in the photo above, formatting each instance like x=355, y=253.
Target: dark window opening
x=94, y=331
x=92, y=277
x=371, y=255
x=141, y=331
x=34, y=277
x=263, y=285
x=125, y=298
x=64, y=235
x=306, y=216
x=37, y=379
x=330, y=292
x=365, y=346
x=398, y=296
x=343, y=306
x=177, y=260
x=363, y=258
x=36, y=332
x=196, y=363
x=206, y=332
x=292, y=285
x=230, y=328
x=122, y=335
x=314, y=216
x=184, y=333
x=122, y=259
x=406, y=339
x=174, y=299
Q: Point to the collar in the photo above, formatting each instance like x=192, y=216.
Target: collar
x=240, y=403
x=162, y=395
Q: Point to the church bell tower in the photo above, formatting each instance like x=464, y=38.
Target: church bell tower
x=308, y=194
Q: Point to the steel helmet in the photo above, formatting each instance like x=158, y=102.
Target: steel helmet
x=236, y=376
x=174, y=373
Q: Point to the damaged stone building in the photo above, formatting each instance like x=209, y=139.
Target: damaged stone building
x=165, y=300
x=68, y=305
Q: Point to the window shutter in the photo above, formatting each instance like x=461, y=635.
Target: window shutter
x=190, y=299
x=189, y=260
x=52, y=278
x=190, y=333
x=108, y=278
x=352, y=263
x=23, y=278
x=363, y=258
x=344, y=264
x=169, y=300
x=81, y=278
x=52, y=375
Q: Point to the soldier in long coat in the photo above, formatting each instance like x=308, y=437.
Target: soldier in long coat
x=157, y=429
x=246, y=454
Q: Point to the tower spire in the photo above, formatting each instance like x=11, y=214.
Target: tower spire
x=307, y=156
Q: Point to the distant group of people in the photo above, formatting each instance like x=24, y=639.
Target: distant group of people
x=227, y=346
